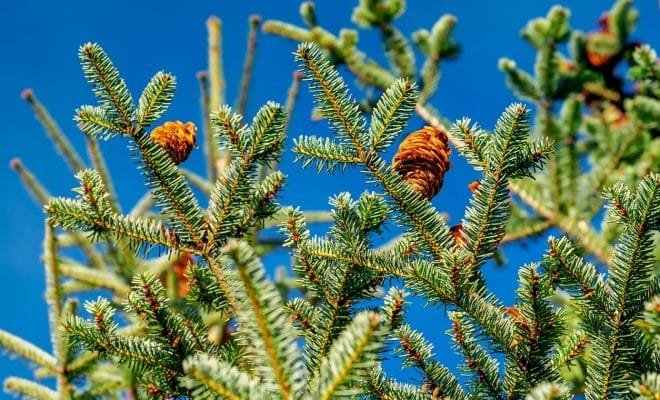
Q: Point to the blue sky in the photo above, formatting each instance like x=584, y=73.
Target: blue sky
x=39, y=42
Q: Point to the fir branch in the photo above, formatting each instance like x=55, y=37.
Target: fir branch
x=32, y=185
x=215, y=68
x=631, y=268
x=261, y=317
x=29, y=389
x=54, y=132
x=572, y=346
x=248, y=63
x=27, y=350
x=108, y=86
x=207, y=378
x=351, y=356
x=391, y=114
x=479, y=363
x=419, y=352
x=326, y=153
x=155, y=98
x=575, y=274
x=384, y=388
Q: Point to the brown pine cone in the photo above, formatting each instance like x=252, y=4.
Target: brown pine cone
x=177, y=138
x=423, y=159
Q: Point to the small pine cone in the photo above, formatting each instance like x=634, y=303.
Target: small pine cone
x=423, y=160
x=177, y=138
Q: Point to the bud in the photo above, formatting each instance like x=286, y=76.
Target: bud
x=423, y=160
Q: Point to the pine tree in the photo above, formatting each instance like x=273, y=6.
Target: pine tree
x=191, y=312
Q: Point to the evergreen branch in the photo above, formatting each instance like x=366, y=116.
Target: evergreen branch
x=351, y=356
x=520, y=82
x=210, y=149
x=473, y=143
x=384, y=388
x=54, y=301
x=582, y=232
x=573, y=272
x=248, y=63
x=32, y=185
x=604, y=170
x=572, y=346
x=96, y=278
x=182, y=334
x=24, y=387
x=399, y=52
x=326, y=153
x=207, y=378
x=332, y=93
x=484, y=367
x=74, y=216
x=489, y=314
x=108, y=86
x=27, y=350
x=101, y=336
x=262, y=318
x=155, y=98
x=532, y=227
x=631, y=269
x=54, y=132
x=391, y=114
x=205, y=290
x=537, y=323
x=436, y=45
x=265, y=134
x=216, y=70
x=419, y=352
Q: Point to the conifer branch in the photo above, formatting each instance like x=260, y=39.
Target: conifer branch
x=155, y=99
x=205, y=373
x=54, y=132
x=248, y=63
x=27, y=350
x=261, y=317
x=24, y=387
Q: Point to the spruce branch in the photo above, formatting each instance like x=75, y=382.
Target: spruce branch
x=208, y=378
x=54, y=132
x=418, y=352
x=248, y=63
x=27, y=350
x=155, y=98
x=262, y=319
x=351, y=356
x=108, y=86
x=24, y=387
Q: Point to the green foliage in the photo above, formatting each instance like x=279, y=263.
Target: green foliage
x=205, y=320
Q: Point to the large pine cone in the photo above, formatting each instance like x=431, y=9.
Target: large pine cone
x=177, y=138
x=423, y=159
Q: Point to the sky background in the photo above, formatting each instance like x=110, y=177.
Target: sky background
x=39, y=41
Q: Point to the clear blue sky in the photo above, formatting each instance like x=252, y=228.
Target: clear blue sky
x=39, y=42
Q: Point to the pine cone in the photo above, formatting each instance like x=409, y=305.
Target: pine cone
x=423, y=159
x=177, y=138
